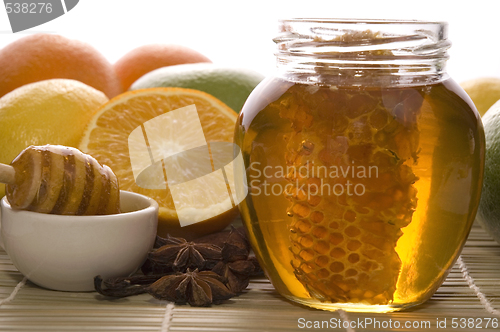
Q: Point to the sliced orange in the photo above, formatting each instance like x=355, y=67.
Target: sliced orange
x=106, y=139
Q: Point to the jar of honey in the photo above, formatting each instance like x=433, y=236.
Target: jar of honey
x=364, y=164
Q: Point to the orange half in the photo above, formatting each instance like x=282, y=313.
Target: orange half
x=106, y=139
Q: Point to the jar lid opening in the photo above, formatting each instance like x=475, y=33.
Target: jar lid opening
x=360, y=48
x=362, y=21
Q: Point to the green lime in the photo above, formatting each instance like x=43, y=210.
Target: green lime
x=230, y=85
x=488, y=214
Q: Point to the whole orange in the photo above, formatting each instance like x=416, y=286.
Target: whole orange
x=41, y=57
x=146, y=58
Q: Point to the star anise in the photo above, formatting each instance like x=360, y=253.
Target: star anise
x=236, y=247
x=180, y=255
x=152, y=268
x=194, y=287
x=235, y=265
x=124, y=286
x=226, y=253
x=237, y=273
x=220, y=238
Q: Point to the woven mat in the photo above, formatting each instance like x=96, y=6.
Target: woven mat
x=467, y=304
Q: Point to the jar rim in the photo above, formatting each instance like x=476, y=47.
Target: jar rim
x=397, y=50
x=361, y=21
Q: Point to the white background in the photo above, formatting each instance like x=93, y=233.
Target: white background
x=239, y=33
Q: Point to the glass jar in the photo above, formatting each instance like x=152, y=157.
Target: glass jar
x=364, y=163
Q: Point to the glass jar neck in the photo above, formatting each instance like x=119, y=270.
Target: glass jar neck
x=362, y=52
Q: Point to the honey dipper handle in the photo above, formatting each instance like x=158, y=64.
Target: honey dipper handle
x=7, y=174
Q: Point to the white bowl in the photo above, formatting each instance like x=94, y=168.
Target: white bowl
x=66, y=252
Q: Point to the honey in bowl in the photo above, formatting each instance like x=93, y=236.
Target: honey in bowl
x=364, y=164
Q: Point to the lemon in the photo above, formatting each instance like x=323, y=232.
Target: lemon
x=232, y=86
x=488, y=214
x=54, y=111
x=484, y=92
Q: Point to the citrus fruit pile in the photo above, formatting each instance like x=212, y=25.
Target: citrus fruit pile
x=54, y=90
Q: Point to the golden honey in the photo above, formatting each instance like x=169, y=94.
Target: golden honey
x=363, y=182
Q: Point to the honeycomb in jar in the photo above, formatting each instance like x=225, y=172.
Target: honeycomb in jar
x=343, y=243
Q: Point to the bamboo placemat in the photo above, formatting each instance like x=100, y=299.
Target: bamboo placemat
x=260, y=308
